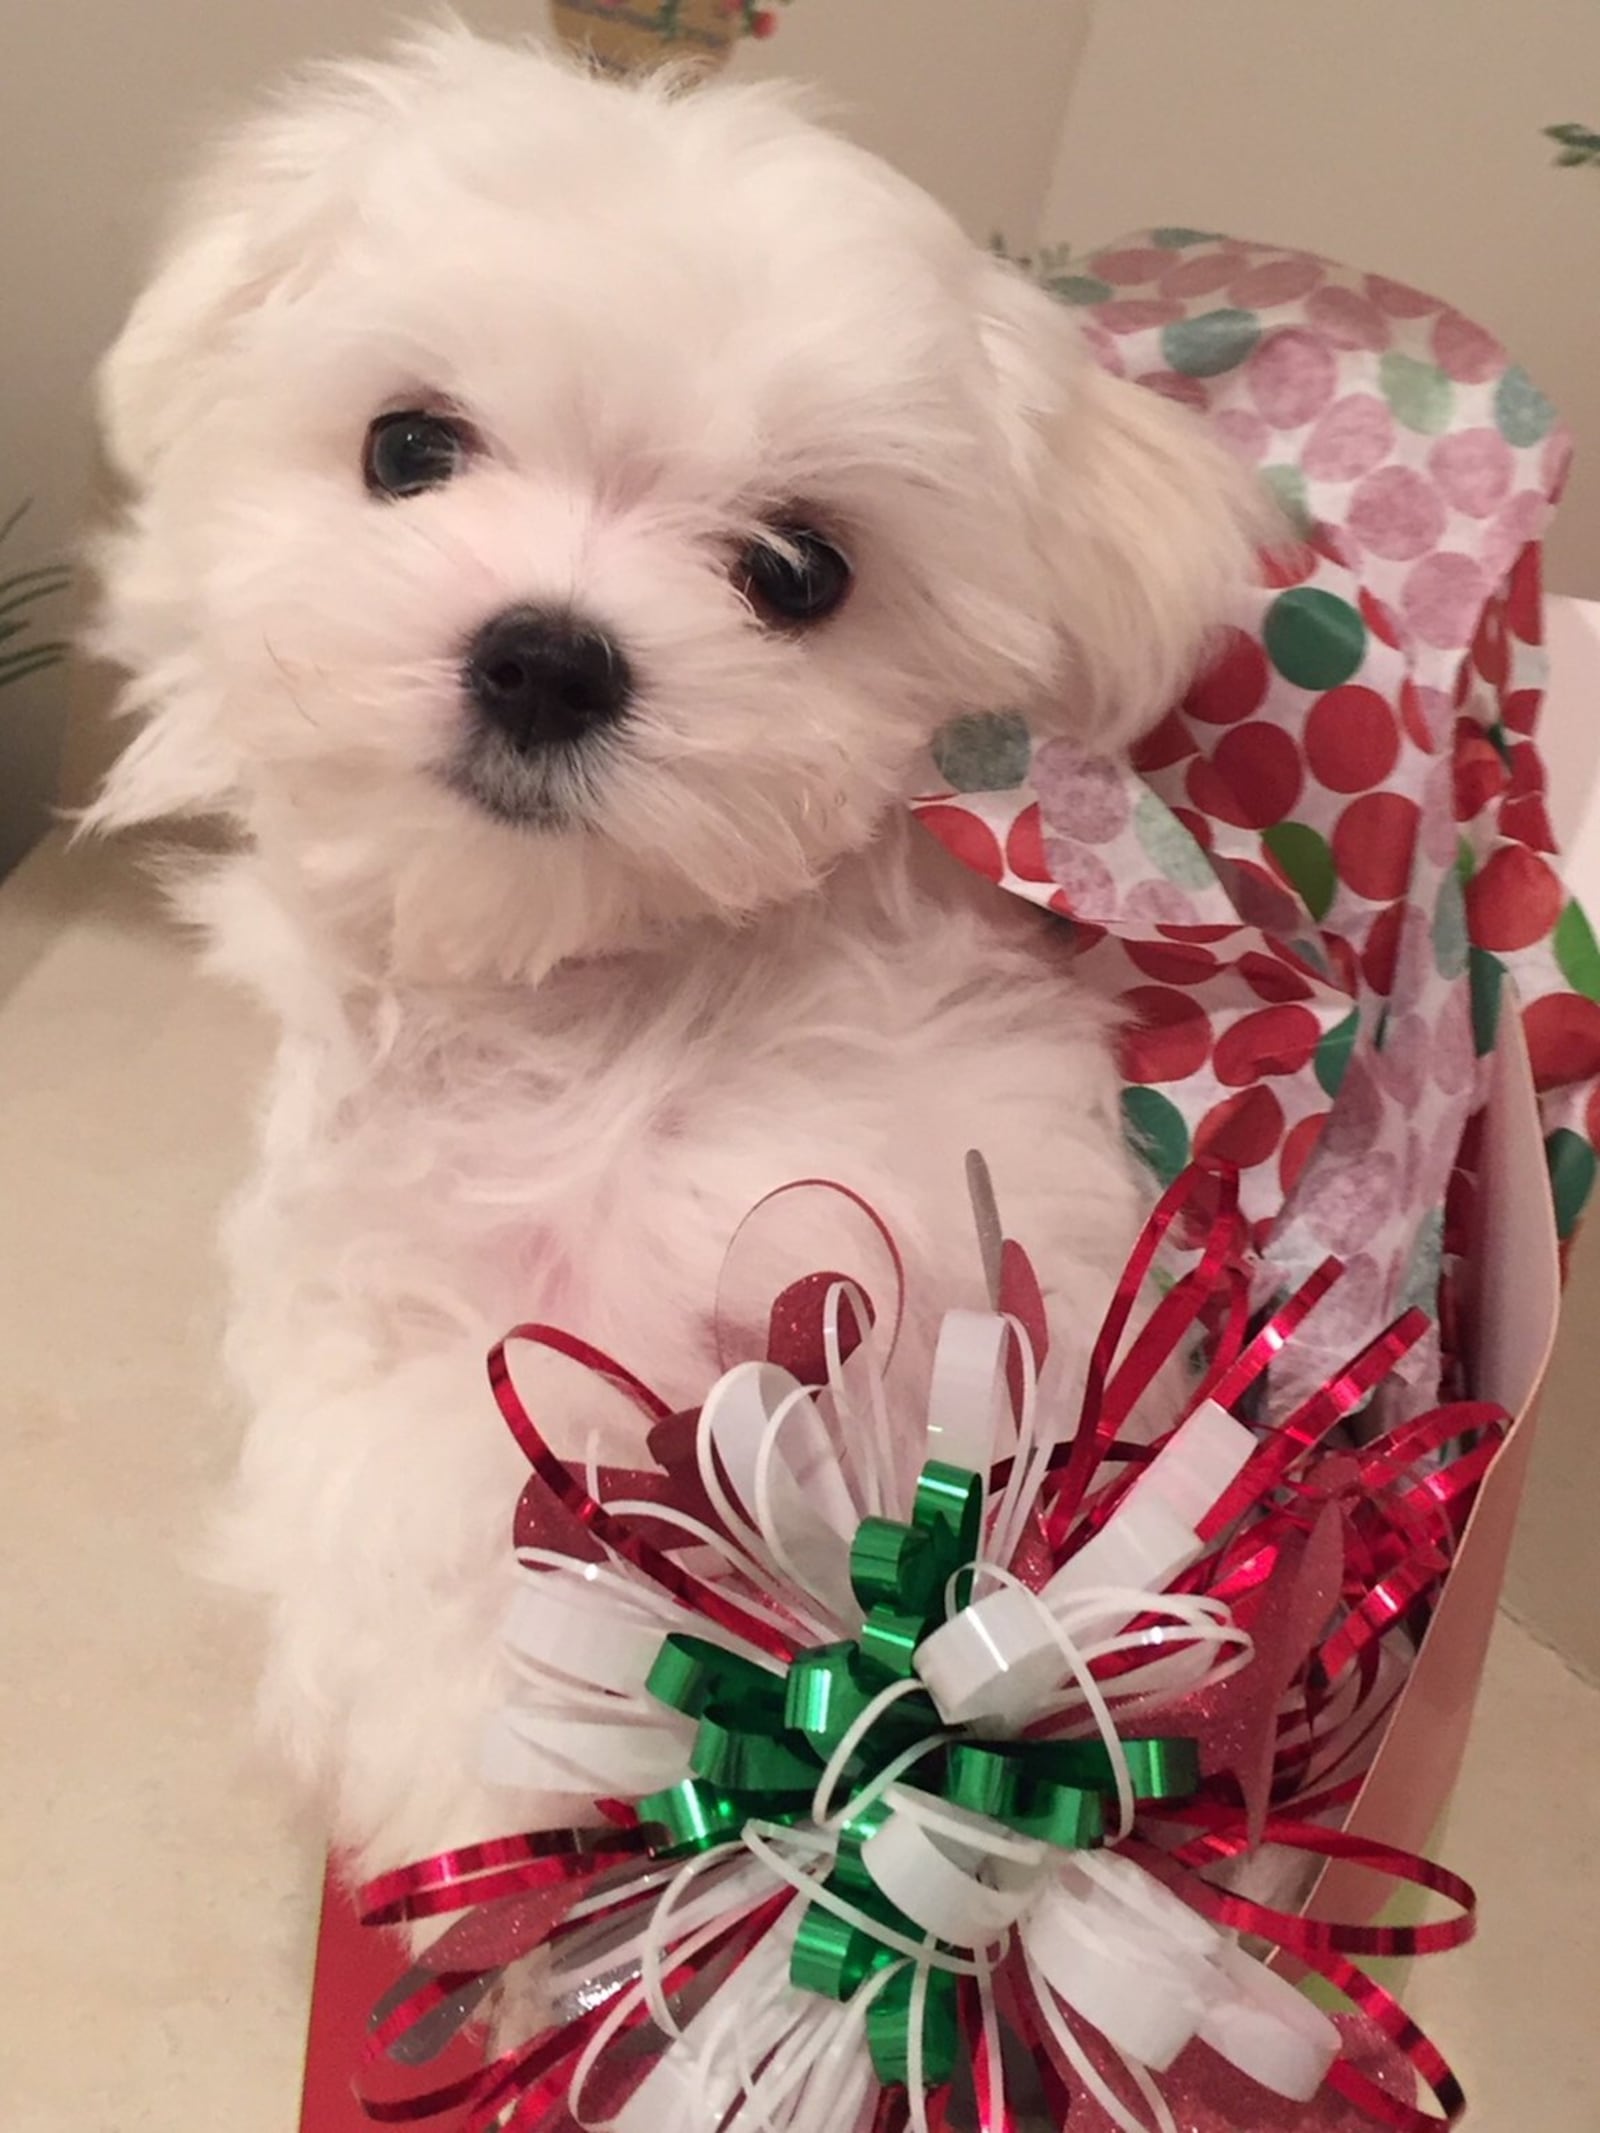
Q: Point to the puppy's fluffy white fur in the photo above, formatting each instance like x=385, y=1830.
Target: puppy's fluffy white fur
x=543, y=1071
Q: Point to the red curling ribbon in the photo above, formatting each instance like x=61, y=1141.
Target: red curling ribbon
x=617, y=1534
x=505, y=1866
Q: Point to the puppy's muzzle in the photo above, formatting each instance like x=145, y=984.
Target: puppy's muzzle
x=541, y=679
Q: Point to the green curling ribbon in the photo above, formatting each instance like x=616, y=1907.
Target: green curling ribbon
x=889, y=2028
x=899, y=1569
x=762, y=1740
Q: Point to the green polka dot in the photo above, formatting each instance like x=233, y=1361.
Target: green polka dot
x=1576, y=952
x=1080, y=289
x=1488, y=976
x=1419, y=1287
x=989, y=751
x=1572, y=1168
x=1206, y=346
x=1154, y=1129
x=1314, y=639
x=1333, y=1053
x=1169, y=846
x=1177, y=240
x=1303, y=854
x=1466, y=860
x=1522, y=413
x=1288, y=485
x=1420, y=394
x=1450, y=942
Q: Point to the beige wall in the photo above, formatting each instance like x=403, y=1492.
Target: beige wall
x=1403, y=135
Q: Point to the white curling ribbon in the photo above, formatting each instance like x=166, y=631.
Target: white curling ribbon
x=962, y=1877
x=529, y=1748
x=967, y=1402
x=574, y=1627
x=773, y=1445
x=1000, y=1657
x=1126, y=1955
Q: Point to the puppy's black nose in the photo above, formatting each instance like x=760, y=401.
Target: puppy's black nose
x=540, y=677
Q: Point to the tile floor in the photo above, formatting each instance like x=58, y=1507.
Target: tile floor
x=159, y=1899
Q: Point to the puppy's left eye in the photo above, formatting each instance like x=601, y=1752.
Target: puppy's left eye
x=801, y=583
x=413, y=450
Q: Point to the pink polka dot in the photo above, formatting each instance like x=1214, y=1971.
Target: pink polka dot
x=1358, y=1113
x=1396, y=514
x=1343, y=1206
x=1127, y=268
x=1173, y=385
x=1348, y=320
x=1353, y=437
x=1398, y=299
x=1159, y=903
x=1474, y=470
x=1515, y=525
x=1201, y=274
x=1555, y=458
x=1402, y=1065
x=1464, y=351
x=1082, y=796
x=1136, y=314
x=1260, y=900
x=1452, y=1054
x=1086, y=882
x=1102, y=347
x=1442, y=597
x=1276, y=281
x=1291, y=377
x=1245, y=435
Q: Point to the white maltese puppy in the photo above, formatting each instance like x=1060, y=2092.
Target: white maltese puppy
x=563, y=513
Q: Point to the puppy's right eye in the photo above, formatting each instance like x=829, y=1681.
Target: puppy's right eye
x=413, y=450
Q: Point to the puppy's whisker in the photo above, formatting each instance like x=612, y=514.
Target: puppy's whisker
x=291, y=690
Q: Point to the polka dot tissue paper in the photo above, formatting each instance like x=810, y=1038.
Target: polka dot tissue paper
x=1325, y=872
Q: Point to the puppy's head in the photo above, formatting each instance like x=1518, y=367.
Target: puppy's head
x=564, y=509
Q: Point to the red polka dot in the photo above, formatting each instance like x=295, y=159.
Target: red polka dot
x=1463, y=684
x=1201, y=274
x=1253, y=779
x=1563, y=1033
x=1275, y=281
x=1025, y=847
x=1442, y=597
x=1291, y=377
x=1381, y=620
x=1352, y=438
x=1172, y=385
x=1272, y=1040
x=1414, y=715
x=1124, y=269
x=1515, y=525
x=1382, y=949
x=1136, y=314
x=1396, y=514
x=1197, y=826
x=1101, y=345
x=1173, y=962
x=1296, y=1151
x=1529, y=822
x=1373, y=844
x=1519, y=709
x=1245, y=435
x=1348, y=320
x=1464, y=351
x=1513, y=900
x=1477, y=768
x=968, y=839
x=1398, y=299
x=1270, y=978
x=1591, y=1117
x=1242, y=1129
x=1352, y=742
x=1489, y=649
x=1523, y=599
x=1291, y=565
x=1474, y=470
x=1234, y=685
x=1168, y=1037
x=1346, y=968
x=1165, y=744
x=1262, y=899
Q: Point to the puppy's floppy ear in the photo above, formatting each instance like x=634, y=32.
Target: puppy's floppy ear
x=1145, y=524
x=251, y=227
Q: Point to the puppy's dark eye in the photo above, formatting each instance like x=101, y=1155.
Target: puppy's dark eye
x=801, y=583
x=413, y=450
